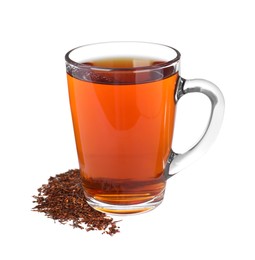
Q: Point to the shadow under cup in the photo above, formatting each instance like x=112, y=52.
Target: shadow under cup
x=122, y=99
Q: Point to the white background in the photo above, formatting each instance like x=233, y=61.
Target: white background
x=208, y=211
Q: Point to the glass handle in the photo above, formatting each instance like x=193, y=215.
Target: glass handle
x=177, y=162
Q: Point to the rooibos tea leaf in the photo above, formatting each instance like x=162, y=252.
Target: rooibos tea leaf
x=63, y=200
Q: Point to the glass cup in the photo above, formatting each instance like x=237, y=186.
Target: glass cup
x=123, y=98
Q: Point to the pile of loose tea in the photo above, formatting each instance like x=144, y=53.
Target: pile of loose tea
x=63, y=200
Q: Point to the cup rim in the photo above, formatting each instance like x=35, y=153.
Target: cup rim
x=162, y=65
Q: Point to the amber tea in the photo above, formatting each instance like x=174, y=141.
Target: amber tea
x=123, y=125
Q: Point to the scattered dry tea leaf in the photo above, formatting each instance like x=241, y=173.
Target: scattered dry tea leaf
x=63, y=200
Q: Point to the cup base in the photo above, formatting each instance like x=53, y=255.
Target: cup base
x=121, y=209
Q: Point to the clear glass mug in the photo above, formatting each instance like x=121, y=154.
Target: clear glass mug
x=123, y=97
